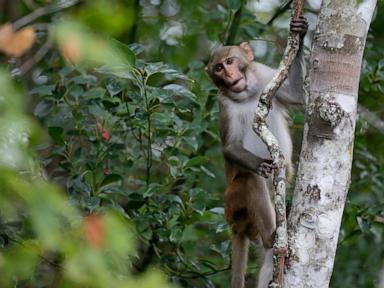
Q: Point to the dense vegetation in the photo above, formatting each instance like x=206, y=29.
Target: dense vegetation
x=110, y=158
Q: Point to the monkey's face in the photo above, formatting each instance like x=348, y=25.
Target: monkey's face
x=228, y=65
x=230, y=71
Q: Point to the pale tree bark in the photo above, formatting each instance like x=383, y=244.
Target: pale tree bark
x=381, y=278
x=323, y=175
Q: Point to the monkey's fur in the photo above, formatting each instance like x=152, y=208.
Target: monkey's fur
x=248, y=206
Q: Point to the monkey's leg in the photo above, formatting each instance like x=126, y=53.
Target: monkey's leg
x=264, y=212
x=240, y=245
x=266, y=271
x=265, y=221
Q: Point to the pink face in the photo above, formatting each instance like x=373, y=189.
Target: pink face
x=229, y=71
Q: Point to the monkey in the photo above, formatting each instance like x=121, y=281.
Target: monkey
x=248, y=198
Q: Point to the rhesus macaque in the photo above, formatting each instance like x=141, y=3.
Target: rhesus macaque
x=248, y=206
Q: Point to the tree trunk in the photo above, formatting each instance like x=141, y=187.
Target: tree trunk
x=324, y=171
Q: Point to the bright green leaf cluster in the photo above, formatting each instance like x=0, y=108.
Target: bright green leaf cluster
x=86, y=250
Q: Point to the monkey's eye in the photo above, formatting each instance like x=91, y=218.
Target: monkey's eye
x=219, y=67
x=229, y=61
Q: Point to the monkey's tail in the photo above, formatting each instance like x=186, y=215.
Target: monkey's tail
x=240, y=245
x=266, y=270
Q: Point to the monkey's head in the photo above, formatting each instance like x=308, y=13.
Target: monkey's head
x=227, y=67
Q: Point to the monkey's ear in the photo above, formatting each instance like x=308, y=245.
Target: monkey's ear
x=248, y=50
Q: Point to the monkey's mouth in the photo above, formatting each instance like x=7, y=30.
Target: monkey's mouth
x=234, y=83
x=238, y=85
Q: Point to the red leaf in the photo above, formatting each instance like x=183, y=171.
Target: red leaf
x=104, y=133
x=94, y=230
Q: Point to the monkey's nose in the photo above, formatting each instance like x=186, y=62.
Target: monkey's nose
x=228, y=73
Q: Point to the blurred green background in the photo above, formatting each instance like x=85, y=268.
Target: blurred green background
x=111, y=173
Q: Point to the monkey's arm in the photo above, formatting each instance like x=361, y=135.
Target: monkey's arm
x=292, y=91
x=237, y=154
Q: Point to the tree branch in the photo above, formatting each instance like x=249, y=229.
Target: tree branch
x=36, y=58
x=284, y=7
x=371, y=118
x=135, y=26
x=235, y=25
x=63, y=4
x=280, y=247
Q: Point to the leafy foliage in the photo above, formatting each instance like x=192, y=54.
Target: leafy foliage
x=40, y=232
x=130, y=139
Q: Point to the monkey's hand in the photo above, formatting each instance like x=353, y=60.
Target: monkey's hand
x=265, y=168
x=299, y=25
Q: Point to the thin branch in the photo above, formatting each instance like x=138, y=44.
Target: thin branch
x=30, y=4
x=235, y=25
x=135, y=26
x=371, y=118
x=284, y=7
x=41, y=26
x=144, y=92
x=63, y=4
x=27, y=65
x=280, y=246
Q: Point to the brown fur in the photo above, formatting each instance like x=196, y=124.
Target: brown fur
x=246, y=197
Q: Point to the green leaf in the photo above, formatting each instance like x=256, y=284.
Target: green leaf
x=363, y=224
x=76, y=91
x=78, y=186
x=222, y=248
x=111, y=178
x=179, y=90
x=43, y=108
x=123, y=71
x=217, y=210
x=56, y=134
x=175, y=199
x=43, y=90
x=190, y=234
x=84, y=79
x=174, y=161
x=127, y=53
x=111, y=103
x=234, y=4
x=135, y=201
x=151, y=189
x=196, y=161
x=176, y=234
x=91, y=203
x=114, y=86
x=190, y=142
x=380, y=65
x=199, y=198
x=159, y=67
x=94, y=93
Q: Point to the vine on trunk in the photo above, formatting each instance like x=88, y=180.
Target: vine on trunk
x=280, y=246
